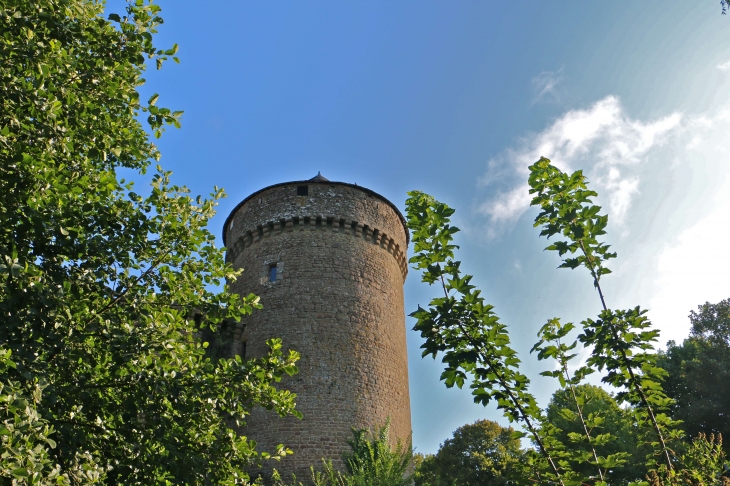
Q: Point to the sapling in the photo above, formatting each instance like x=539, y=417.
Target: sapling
x=475, y=345
x=551, y=345
x=464, y=328
x=621, y=341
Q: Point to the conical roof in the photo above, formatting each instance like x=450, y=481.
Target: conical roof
x=319, y=178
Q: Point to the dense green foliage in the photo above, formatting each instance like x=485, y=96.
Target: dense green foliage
x=702, y=463
x=474, y=345
x=372, y=461
x=712, y=322
x=699, y=371
x=562, y=413
x=486, y=453
x=482, y=453
x=583, y=456
x=104, y=291
x=620, y=341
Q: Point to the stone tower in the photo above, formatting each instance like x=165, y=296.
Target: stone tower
x=328, y=260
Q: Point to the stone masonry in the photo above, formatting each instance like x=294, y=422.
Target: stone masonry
x=328, y=260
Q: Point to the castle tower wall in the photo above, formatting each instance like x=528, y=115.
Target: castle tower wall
x=329, y=267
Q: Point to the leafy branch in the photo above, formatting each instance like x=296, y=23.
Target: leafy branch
x=97, y=282
x=551, y=345
x=620, y=339
x=461, y=326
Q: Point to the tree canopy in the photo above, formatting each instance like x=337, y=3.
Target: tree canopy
x=712, y=322
x=618, y=422
x=105, y=290
x=480, y=453
x=461, y=328
x=699, y=372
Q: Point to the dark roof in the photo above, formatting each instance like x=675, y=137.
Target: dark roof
x=321, y=180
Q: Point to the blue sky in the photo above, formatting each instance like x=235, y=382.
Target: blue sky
x=456, y=99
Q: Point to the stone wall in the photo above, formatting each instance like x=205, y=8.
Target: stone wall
x=339, y=255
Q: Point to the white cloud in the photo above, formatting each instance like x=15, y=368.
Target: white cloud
x=692, y=270
x=692, y=264
x=665, y=183
x=545, y=84
x=506, y=205
x=724, y=66
x=603, y=140
x=620, y=190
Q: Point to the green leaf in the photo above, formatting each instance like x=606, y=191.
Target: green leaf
x=100, y=283
x=20, y=472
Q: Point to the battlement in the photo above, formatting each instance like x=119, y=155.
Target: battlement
x=333, y=224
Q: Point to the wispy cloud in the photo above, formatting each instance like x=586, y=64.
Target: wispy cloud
x=507, y=206
x=690, y=271
x=664, y=181
x=692, y=267
x=724, y=66
x=602, y=139
x=545, y=85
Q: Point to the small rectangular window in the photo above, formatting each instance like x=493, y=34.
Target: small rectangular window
x=302, y=190
x=243, y=349
x=272, y=273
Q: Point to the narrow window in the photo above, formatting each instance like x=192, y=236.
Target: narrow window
x=243, y=349
x=272, y=273
x=302, y=190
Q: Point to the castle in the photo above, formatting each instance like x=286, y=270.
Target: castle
x=328, y=260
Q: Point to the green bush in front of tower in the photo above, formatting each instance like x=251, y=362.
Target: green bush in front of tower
x=373, y=461
x=104, y=378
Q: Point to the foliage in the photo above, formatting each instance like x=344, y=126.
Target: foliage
x=425, y=470
x=620, y=341
x=474, y=345
x=601, y=411
x=473, y=342
x=712, y=322
x=103, y=291
x=373, y=461
x=25, y=439
x=329, y=476
x=584, y=454
x=482, y=453
x=695, y=369
x=566, y=209
x=704, y=465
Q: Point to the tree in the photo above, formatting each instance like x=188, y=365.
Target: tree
x=372, y=461
x=712, y=322
x=465, y=331
x=561, y=412
x=699, y=373
x=480, y=453
x=104, y=292
x=425, y=470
